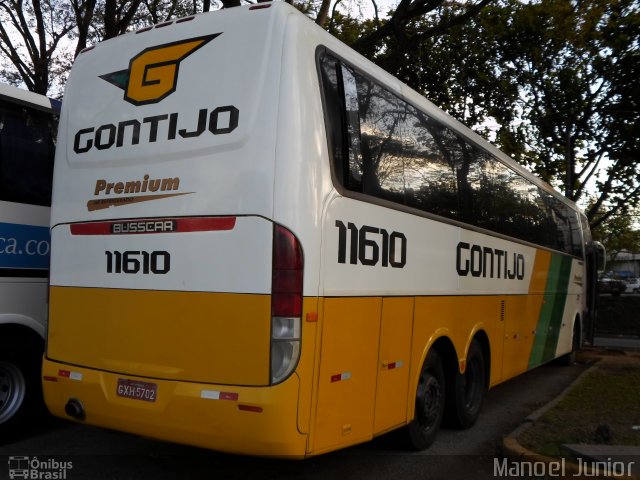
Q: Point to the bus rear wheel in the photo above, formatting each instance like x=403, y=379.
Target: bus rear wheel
x=469, y=389
x=430, y=402
x=20, y=392
x=569, y=359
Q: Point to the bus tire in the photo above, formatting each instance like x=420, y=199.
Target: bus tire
x=469, y=389
x=21, y=401
x=569, y=359
x=430, y=402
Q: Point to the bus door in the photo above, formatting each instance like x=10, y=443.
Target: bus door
x=364, y=368
x=348, y=369
x=392, y=388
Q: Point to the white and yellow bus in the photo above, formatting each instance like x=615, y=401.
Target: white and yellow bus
x=262, y=243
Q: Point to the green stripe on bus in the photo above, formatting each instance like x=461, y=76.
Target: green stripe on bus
x=558, y=309
x=555, y=297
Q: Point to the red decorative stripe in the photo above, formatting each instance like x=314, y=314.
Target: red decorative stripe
x=205, y=224
x=250, y=408
x=180, y=225
x=98, y=228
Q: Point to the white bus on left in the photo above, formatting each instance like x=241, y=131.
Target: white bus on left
x=28, y=125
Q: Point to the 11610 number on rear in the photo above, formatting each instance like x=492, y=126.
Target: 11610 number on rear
x=138, y=261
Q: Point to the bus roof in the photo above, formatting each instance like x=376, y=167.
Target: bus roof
x=25, y=97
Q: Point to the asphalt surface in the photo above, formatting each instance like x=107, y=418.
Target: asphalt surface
x=98, y=454
x=621, y=342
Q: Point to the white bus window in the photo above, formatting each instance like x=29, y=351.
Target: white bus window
x=26, y=155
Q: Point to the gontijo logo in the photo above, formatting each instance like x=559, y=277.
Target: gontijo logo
x=153, y=73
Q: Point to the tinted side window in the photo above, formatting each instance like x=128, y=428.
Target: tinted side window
x=401, y=151
x=389, y=149
x=334, y=118
x=382, y=121
x=431, y=182
x=519, y=209
x=576, y=233
x=27, y=149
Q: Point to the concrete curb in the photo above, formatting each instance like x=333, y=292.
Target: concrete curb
x=511, y=447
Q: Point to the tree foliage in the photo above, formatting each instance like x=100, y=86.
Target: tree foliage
x=576, y=111
x=618, y=233
x=30, y=36
x=555, y=81
x=40, y=38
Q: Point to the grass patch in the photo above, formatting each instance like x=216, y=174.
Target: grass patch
x=602, y=409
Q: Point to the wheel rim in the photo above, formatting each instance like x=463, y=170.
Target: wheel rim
x=473, y=383
x=431, y=404
x=12, y=390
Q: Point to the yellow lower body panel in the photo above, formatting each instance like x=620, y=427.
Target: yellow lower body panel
x=356, y=378
x=248, y=420
x=195, y=337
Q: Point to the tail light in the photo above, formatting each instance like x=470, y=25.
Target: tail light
x=286, y=303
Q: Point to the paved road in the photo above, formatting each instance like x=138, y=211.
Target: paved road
x=100, y=455
x=622, y=342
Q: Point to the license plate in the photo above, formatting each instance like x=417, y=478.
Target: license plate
x=137, y=390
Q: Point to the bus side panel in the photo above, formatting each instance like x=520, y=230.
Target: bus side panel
x=458, y=318
x=552, y=313
x=394, y=360
x=574, y=307
x=539, y=326
x=348, y=369
x=24, y=242
x=521, y=318
x=24, y=302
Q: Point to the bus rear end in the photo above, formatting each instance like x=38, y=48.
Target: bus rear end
x=176, y=300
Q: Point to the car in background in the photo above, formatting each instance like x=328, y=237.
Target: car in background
x=612, y=286
x=633, y=286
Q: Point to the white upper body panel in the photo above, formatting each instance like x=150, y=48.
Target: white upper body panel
x=200, y=116
x=240, y=131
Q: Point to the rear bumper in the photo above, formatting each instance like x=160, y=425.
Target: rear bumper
x=185, y=412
